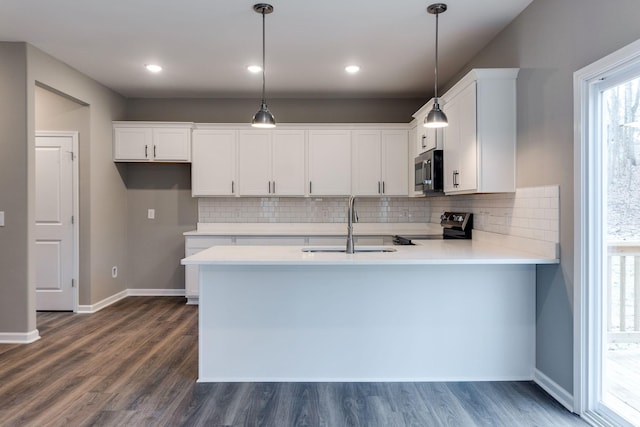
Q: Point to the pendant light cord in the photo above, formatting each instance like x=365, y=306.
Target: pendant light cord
x=263, y=61
x=436, y=73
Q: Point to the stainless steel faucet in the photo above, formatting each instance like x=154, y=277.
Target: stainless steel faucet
x=352, y=216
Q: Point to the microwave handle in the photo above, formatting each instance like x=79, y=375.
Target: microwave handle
x=426, y=172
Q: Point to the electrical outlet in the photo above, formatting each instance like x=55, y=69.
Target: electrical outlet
x=151, y=213
x=114, y=271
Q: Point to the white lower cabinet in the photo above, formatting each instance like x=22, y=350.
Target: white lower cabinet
x=193, y=245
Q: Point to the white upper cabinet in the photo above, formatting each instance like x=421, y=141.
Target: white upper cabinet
x=460, y=144
x=366, y=163
x=329, y=162
x=151, y=142
x=380, y=163
x=172, y=144
x=426, y=138
x=289, y=157
x=480, y=142
x=395, y=163
x=132, y=144
x=254, y=167
x=272, y=163
x=213, y=170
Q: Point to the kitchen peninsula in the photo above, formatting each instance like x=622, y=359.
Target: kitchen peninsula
x=442, y=310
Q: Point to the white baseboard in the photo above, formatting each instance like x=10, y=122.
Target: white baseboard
x=92, y=308
x=88, y=309
x=19, y=337
x=155, y=292
x=556, y=391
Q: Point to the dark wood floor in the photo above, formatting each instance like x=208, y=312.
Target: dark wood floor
x=135, y=364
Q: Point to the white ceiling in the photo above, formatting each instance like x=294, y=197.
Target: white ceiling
x=205, y=45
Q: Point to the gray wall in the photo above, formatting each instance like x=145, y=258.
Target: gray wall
x=16, y=276
x=103, y=218
x=549, y=41
x=156, y=246
x=383, y=110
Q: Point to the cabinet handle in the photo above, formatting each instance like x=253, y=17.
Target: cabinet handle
x=154, y=151
x=274, y=187
x=310, y=187
x=383, y=187
x=146, y=151
x=378, y=187
x=455, y=178
x=423, y=139
x=232, y=188
x=269, y=183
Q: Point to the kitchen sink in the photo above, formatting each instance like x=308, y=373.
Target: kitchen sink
x=343, y=250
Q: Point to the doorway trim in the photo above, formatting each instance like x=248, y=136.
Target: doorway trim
x=588, y=235
x=75, y=189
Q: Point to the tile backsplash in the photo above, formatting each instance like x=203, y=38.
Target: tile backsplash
x=531, y=212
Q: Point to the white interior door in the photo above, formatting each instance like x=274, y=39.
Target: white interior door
x=55, y=234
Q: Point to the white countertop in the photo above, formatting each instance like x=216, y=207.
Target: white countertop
x=313, y=229
x=427, y=252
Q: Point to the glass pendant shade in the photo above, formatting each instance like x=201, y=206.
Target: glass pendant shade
x=436, y=118
x=263, y=118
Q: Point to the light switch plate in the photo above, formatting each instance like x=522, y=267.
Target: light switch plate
x=151, y=213
x=1, y=218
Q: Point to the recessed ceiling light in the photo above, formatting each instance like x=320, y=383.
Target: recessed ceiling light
x=254, y=68
x=352, y=69
x=153, y=68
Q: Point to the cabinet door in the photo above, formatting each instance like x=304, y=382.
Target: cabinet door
x=329, y=162
x=427, y=138
x=395, y=162
x=213, y=167
x=269, y=241
x=288, y=162
x=254, y=165
x=468, y=148
x=191, y=278
x=451, y=146
x=366, y=163
x=460, y=143
x=193, y=245
x=172, y=144
x=132, y=144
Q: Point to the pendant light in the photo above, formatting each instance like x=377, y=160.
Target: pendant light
x=263, y=118
x=436, y=117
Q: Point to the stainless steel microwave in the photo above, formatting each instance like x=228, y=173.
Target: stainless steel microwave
x=429, y=172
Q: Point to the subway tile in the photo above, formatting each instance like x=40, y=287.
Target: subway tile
x=528, y=212
x=552, y=191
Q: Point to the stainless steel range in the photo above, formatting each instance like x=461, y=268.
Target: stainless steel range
x=455, y=225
